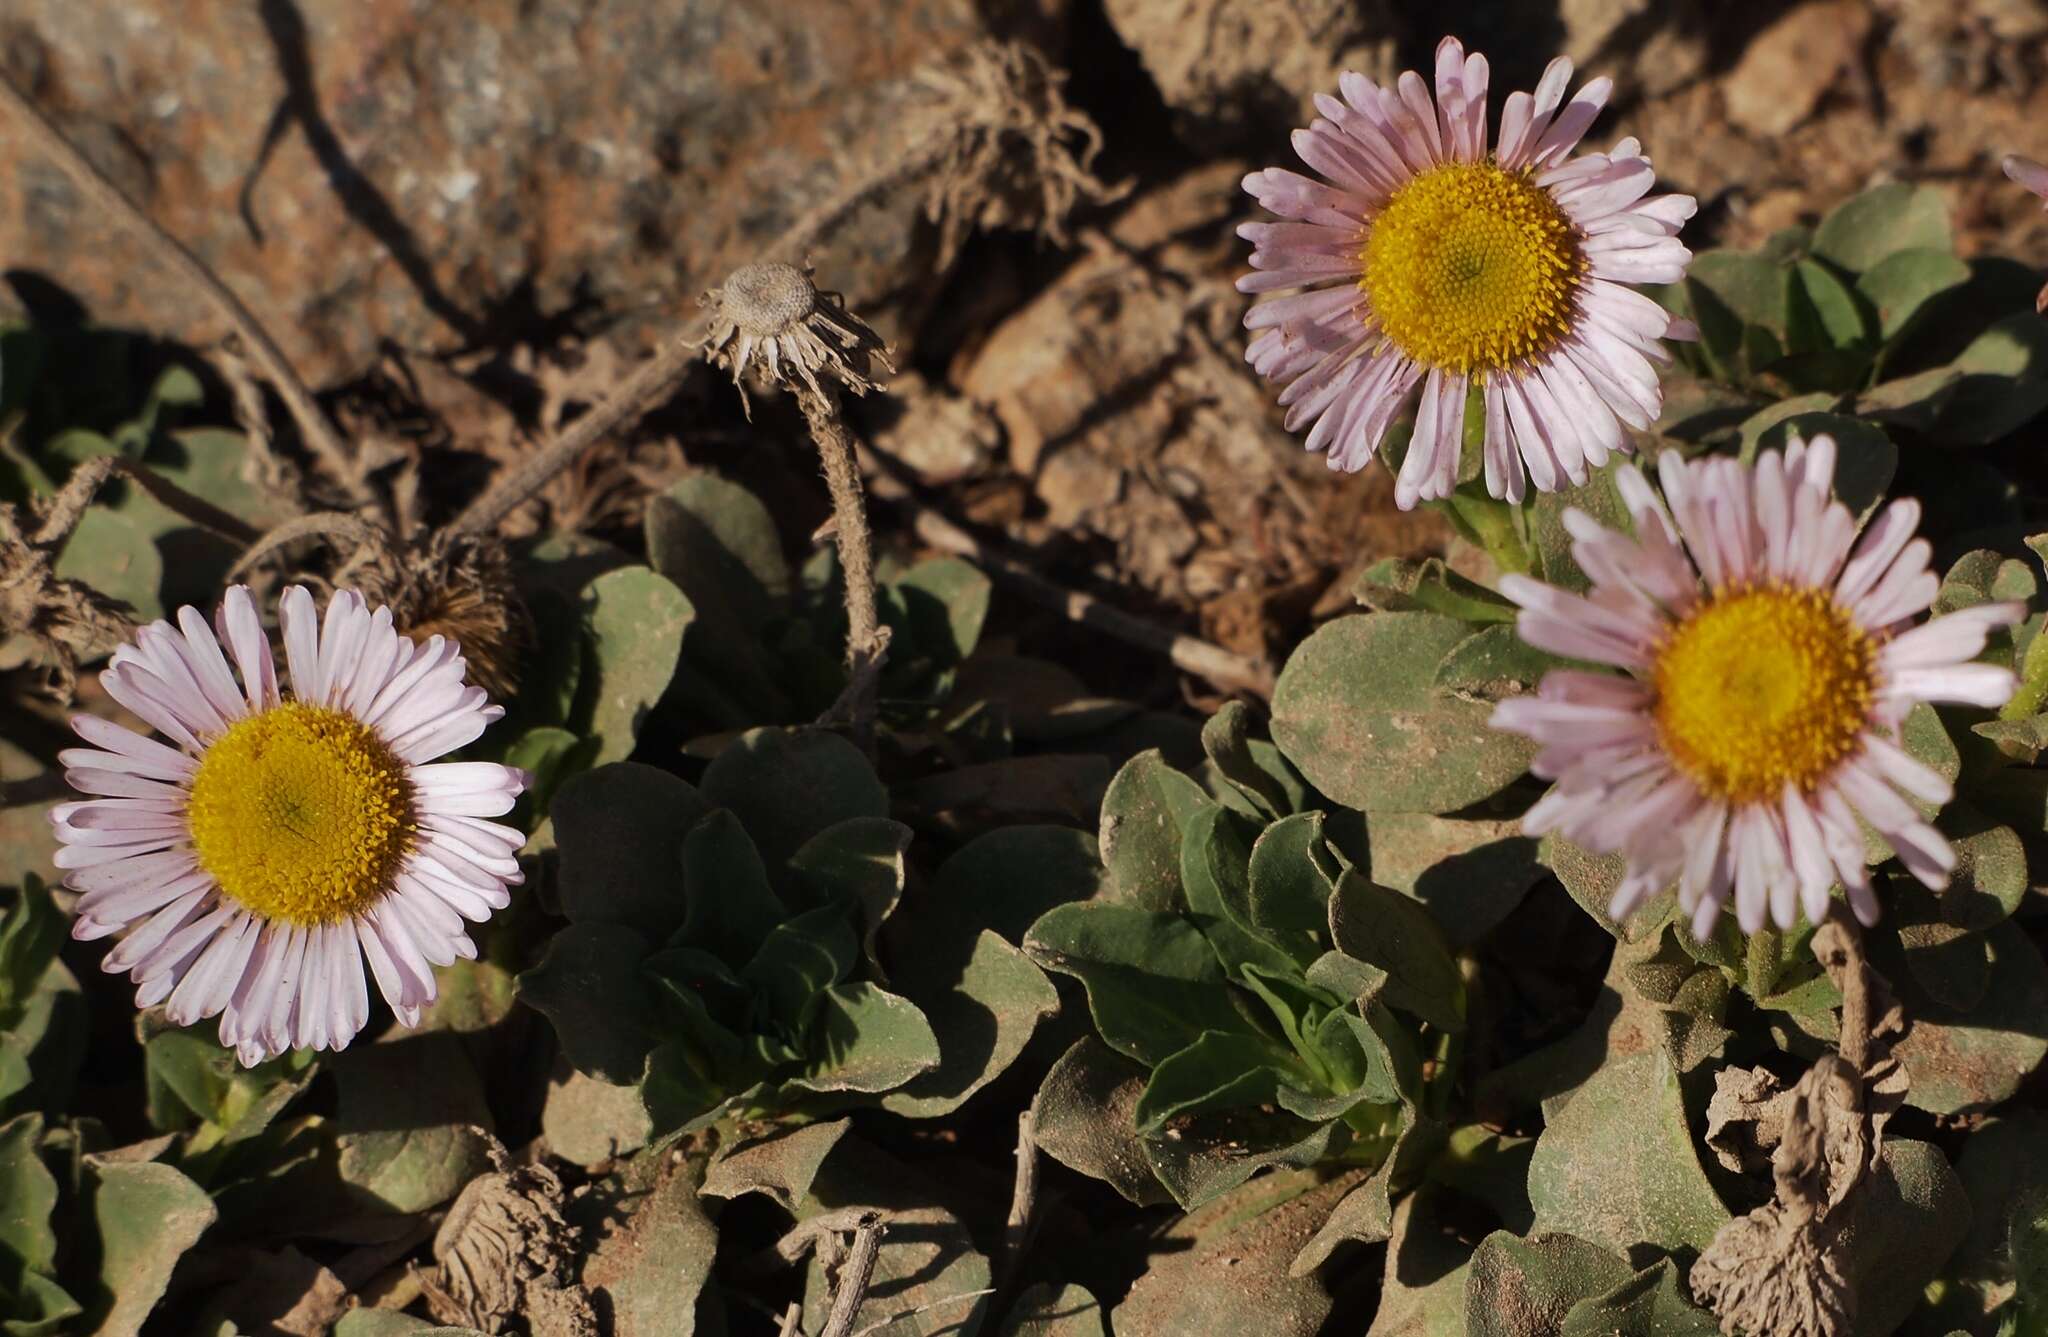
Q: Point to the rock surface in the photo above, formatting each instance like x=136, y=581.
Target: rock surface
x=366, y=170
x=1249, y=67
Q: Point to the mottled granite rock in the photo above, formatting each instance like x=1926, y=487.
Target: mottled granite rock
x=362, y=170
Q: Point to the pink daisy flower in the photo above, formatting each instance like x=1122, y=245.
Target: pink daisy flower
x=1431, y=259
x=279, y=839
x=1769, y=658
x=2034, y=177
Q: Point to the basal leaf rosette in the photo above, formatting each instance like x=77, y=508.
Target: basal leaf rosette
x=722, y=959
x=1259, y=1000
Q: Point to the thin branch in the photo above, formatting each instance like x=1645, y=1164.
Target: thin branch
x=628, y=400
x=320, y=524
x=923, y=1309
x=1227, y=670
x=854, y=1275
x=321, y=437
x=198, y=510
x=866, y=639
x=1023, y=1202
x=792, y=1321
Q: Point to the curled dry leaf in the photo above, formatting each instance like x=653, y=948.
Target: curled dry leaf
x=505, y=1251
x=1016, y=155
x=1784, y=1268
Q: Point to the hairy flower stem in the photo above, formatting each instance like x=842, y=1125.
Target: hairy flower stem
x=866, y=640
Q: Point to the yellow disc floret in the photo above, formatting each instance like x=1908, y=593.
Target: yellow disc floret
x=302, y=814
x=1472, y=268
x=1763, y=685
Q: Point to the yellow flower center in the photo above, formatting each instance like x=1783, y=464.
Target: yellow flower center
x=1762, y=685
x=301, y=813
x=1472, y=268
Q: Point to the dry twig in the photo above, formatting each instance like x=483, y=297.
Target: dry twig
x=1227, y=670
x=854, y=1275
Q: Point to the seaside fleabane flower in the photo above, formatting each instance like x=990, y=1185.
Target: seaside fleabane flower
x=281, y=838
x=2034, y=177
x=1769, y=657
x=1434, y=260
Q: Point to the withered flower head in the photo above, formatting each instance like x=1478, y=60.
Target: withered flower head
x=770, y=320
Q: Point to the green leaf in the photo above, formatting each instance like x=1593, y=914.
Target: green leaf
x=112, y=554
x=1204, y=1156
x=982, y=1011
x=1222, y=1271
x=28, y=1197
x=2004, y=383
x=947, y=601
x=1525, y=1288
x=1395, y=585
x=779, y=1165
x=1962, y=1061
x=412, y=1126
x=1470, y=872
x=1838, y=319
x=787, y=787
x=799, y=959
x=1752, y=289
x=857, y=862
x=1219, y=1071
x=1154, y=984
x=1144, y=814
x=720, y=545
x=1215, y=871
x=1649, y=1304
x=867, y=1039
x=1882, y=221
x=1422, y=1293
x=1291, y=875
x=1226, y=741
x=1865, y=460
x=620, y=830
x=147, y=1215
x=1617, y=1165
x=646, y=1274
x=635, y=622
x=588, y=986
x=731, y=911
x=1902, y=283
x=1383, y=928
x=1084, y=1116
x=1493, y=664
x=1356, y=711
x=588, y=1121
x=1907, y=1219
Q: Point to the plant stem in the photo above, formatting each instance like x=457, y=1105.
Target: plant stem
x=854, y=1275
x=630, y=398
x=1492, y=524
x=2033, y=689
x=866, y=641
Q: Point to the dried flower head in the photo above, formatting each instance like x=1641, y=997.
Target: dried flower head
x=1013, y=155
x=771, y=320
